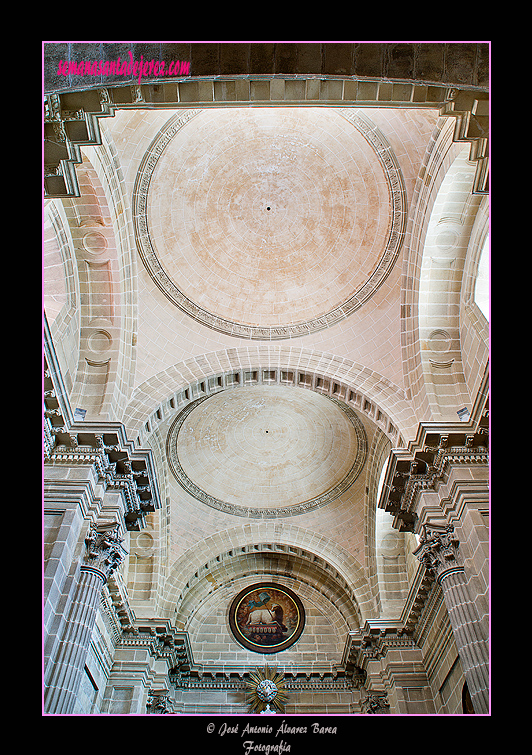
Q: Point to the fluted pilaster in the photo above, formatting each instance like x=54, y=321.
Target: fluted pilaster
x=439, y=552
x=103, y=554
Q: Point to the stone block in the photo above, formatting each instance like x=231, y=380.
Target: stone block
x=338, y=59
x=260, y=90
x=262, y=58
x=234, y=58
x=309, y=58
x=286, y=58
x=368, y=59
x=429, y=62
x=204, y=59
x=367, y=90
x=460, y=60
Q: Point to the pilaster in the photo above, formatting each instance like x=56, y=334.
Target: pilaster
x=103, y=554
x=439, y=553
x=391, y=666
x=438, y=488
x=139, y=679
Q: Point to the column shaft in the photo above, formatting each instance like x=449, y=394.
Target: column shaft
x=65, y=678
x=471, y=645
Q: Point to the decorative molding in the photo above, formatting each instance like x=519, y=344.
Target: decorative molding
x=438, y=551
x=69, y=126
x=304, y=378
x=158, y=702
x=425, y=464
x=117, y=468
x=398, y=205
x=104, y=446
x=376, y=703
x=256, y=513
x=419, y=594
x=103, y=550
x=372, y=643
x=166, y=643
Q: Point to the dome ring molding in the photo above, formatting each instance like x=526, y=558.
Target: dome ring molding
x=302, y=507
x=398, y=212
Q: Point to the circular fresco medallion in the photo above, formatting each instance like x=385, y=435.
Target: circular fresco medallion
x=266, y=617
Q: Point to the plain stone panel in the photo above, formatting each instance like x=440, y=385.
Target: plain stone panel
x=429, y=61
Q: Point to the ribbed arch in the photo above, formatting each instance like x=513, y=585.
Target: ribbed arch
x=61, y=290
x=266, y=536
x=442, y=269
x=438, y=230
x=99, y=223
x=474, y=322
x=263, y=562
x=382, y=401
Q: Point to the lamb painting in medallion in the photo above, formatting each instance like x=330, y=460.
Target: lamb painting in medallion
x=273, y=615
x=260, y=616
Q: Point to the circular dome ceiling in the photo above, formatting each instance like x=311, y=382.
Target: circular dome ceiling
x=269, y=222
x=266, y=451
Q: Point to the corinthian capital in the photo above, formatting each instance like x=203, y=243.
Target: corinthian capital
x=438, y=549
x=376, y=702
x=104, y=551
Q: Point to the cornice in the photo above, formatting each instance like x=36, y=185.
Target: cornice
x=71, y=118
x=166, y=643
x=102, y=445
x=428, y=459
x=419, y=594
x=372, y=643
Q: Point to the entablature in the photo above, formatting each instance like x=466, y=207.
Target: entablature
x=71, y=117
x=425, y=463
x=119, y=465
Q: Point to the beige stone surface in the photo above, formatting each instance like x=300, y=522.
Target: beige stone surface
x=267, y=446
x=268, y=216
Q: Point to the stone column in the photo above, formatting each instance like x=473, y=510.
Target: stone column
x=440, y=554
x=103, y=554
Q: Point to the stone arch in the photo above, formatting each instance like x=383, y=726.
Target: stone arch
x=106, y=270
x=377, y=461
x=474, y=325
x=441, y=274
x=436, y=153
x=383, y=402
x=277, y=561
x=323, y=638
x=266, y=535
x=443, y=195
x=61, y=290
x=391, y=565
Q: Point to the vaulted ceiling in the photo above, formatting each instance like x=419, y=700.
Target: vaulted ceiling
x=234, y=284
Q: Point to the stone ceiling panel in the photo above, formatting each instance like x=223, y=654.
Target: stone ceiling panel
x=269, y=223
x=264, y=452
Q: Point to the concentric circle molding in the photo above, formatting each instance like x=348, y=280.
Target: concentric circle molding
x=269, y=223
x=265, y=453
